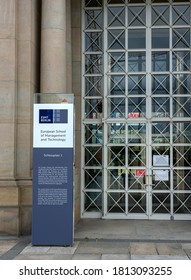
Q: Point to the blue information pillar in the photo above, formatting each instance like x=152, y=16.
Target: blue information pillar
x=52, y=215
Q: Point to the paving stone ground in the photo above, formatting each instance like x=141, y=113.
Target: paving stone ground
x=99, y=240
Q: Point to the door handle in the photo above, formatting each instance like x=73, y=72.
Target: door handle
x=145, y=186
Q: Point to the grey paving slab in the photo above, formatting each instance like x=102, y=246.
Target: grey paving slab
x=63, y=250
x=142, y=248
x=152, y=230
x=32, y=250
x=158, y=257
x=16, y=249
x=179, y=226
x=103, y=247
x=186, y=245
x=86, y=257
x=49, y=250
x=188, y=253
x=115, y=257
x=170, y=249
x=6, y=245
x=110, y=239
x=43, y=257
x=133, y=229
x=4, y=236
x=90, y=228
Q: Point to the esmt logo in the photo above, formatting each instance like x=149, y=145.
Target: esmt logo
x=45, y=116
x=53, y=116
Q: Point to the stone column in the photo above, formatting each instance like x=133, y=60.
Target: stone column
x=9, y=197
x=28, y=53
x=53, y=46
x=76, y=9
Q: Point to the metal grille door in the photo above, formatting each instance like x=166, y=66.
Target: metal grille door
x=136, y=109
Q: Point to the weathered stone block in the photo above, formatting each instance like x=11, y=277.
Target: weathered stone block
x=9, y=196
x=9, y=220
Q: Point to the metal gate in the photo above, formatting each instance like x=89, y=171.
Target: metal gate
x=136, y=109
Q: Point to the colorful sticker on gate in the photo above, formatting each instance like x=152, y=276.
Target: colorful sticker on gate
x=140, y=173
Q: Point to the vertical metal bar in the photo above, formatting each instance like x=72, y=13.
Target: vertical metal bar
x=82, y=117
x=105, y=105
x=126, y=112
x=149, y=108
x=171, y=114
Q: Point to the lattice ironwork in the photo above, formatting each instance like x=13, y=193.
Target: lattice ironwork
x=181, y=84
x=94, y=19
x=93, y=201
x=116, y=16
x=137, y=156
x=116, y=1
x=182, y=156
x=137, y=1
x=117, y=85
x=160, y=15
x=137, y=105
x=182, y=203
x=93, y=108
x=181, y=38
x=182, y=132
x=137, y=16
x=181, y=61
x=116, y=108
x=116, y=62
x=93, y=41
x=93, y=134
x=160, y=84
x=116, y=202
x=137, y=133
x=181, y=107
x=137, y=203
x=181, y=15
x=93, y=64
x=161, y=132
x=136, y=108
x=93, y=3
x=93, y=156
x=116, y=39
x=136, y=182
x=161, y=107
x=137, y=84
x=116, y=133
x=116, y=179
x=116, y=156
x=94, y=86
x=93, y=178
x=161, y=203
x=182, y=179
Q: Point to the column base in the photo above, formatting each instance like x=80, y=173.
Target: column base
x=15, y=206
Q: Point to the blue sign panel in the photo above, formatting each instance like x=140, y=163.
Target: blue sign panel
x=52, y=216
x=53, y=116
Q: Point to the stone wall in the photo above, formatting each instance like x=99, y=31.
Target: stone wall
x=19, y=79
x=28, y=57
x=9, y=194
x=76, y=89
x=21, y=75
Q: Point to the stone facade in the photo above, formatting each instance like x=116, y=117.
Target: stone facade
x=40, y=51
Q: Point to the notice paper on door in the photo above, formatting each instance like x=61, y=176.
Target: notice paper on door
x=160, y=160
x=161, y=175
